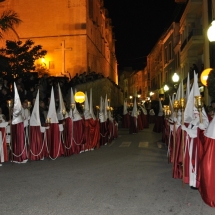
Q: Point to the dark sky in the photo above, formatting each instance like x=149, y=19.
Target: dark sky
x=138, y=24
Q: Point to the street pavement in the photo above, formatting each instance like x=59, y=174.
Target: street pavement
x=130, y=176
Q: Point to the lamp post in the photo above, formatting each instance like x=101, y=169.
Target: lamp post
x=130, y=99
x=165, y=88
x=175, y=79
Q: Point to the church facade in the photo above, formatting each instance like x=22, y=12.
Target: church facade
x=77, y=34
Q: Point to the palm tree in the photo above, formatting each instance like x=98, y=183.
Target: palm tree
x=8, y=20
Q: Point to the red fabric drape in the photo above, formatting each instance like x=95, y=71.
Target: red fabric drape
x=207, y=166
x=54, y=147
x=36, y=147
x=144, y=119
x=78, y=136
x=115, y=129
x=4, y=144
x=177, y=162
x=18, y=143
x=139, y=123
x=103, y=133
x=67, y=135
x=133, y=129
x=159, y=122
x=126, y=121
x=92, y=134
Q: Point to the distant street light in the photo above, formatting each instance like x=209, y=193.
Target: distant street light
x=151, y=94
x=166, y=88
x=175, y=77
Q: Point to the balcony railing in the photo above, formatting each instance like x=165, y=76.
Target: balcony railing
x=194, y=32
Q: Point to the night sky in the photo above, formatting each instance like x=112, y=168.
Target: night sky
x=138, y=24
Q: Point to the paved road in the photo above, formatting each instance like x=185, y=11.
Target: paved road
x=130, y=176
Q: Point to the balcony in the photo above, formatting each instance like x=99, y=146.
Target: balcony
x=195, y=37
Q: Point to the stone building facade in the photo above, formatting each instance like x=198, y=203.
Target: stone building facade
x=77, y=34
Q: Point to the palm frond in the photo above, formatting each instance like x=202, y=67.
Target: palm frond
x=8, y=20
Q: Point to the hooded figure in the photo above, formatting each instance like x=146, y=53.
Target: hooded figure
x=133, y=129
x=144, y=116
x=61, y=112
x=36, y=147
x=3, y=144
x=91, y=105
x=54, y=146
x=77, y=127
x=159, y=121
x=65, y=125
x=126, y=117
x=103, y=124
x=207, y=166
x=91, y=128
x=19, y=145
x=193, y=136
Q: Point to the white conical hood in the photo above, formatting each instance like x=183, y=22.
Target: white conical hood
x=35, y=116
x=87, y=114
x=210, y=131
x=101, y=105
x=188, y=86
x=17, y=108
x=178, y=94
x=91, y=105
x=134, y=111
x=188, y=112
x=52, y=110
x=173, y=98
x=75, y=115
x=101, y=113
x=160, y=113
x=61, y=107
x=125, y=110
x=171, y=108
x=182, y=89
x=105, y=107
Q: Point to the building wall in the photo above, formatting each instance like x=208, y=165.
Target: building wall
x=79, y=24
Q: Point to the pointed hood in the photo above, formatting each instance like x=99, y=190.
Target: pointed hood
x=210, y=131
x=188, y=87
x=160, y=113
x=125, y=110
x=61, y=107
x=87, y=114
x=17, y=108
x=35, y=116
x=134, y=111
x=188, y=112
x=190, y=108
x=75, y=115
x=182, y=89
x=173, y=98
x=105, y=107
x=101, y=113
x=52, y=110
x=171, y=109
x=91, y=104
x=178, y=94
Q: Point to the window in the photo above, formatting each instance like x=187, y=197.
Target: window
x=90, y=2
x=166, y=55
x=170, y=51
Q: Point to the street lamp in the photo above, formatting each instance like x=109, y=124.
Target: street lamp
x=211, y=32
x=151, y=94
x=175, y=77
x=165, y=88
